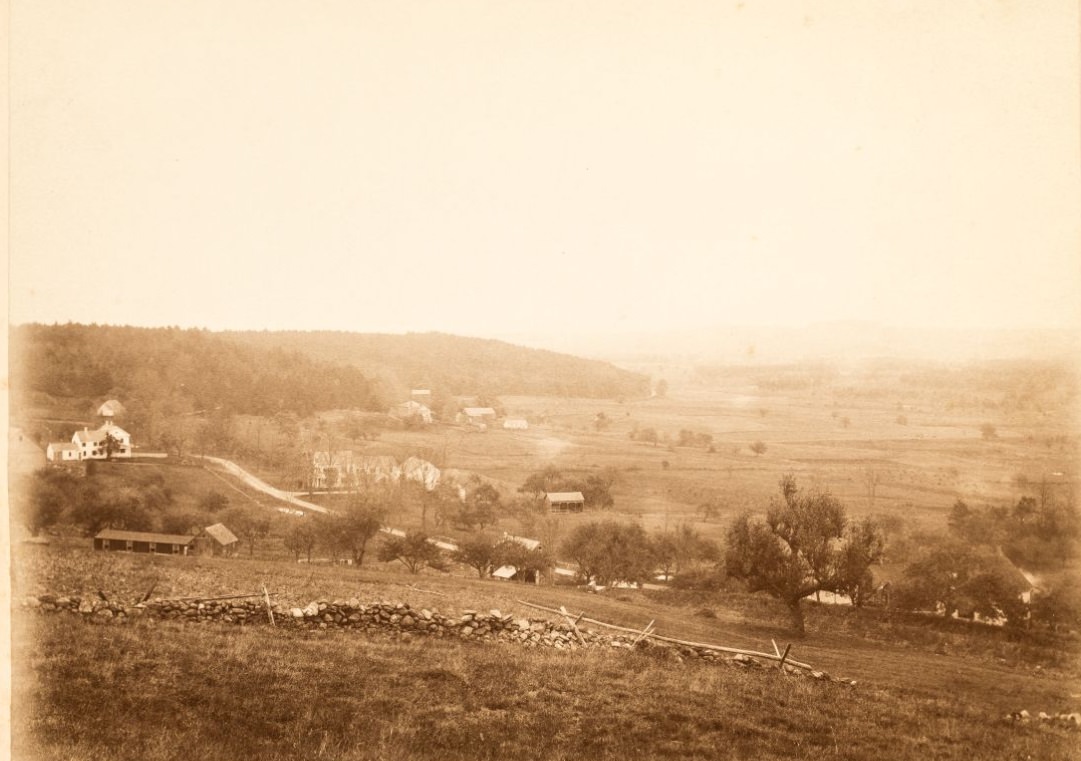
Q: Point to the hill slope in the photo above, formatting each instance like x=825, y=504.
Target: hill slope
x=456, y=364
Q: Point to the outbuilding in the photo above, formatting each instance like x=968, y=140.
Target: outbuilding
x=142, y=541
x=565, y=501
x=219, y=540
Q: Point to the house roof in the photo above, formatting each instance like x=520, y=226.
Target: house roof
x=474, y=411
x=93, y=437
x=219, y=533
x=111, y=407
x=144, y=536
x=565, y=496
x=63, y=446
x=505, y=572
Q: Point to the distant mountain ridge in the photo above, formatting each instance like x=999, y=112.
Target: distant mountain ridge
x=453, y=364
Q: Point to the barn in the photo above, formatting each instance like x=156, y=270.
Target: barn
x=219, y=540
x=565, y=501
x=142, y=541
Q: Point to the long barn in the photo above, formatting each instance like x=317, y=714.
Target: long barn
x=142, y=541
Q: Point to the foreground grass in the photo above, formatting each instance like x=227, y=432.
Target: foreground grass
x=163, y=690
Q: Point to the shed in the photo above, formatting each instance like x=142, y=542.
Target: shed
x=220, y=540
x=516, y=424
x=142, y=541
x=62, y=451
x=565, y=501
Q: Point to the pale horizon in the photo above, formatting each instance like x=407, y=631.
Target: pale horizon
x=493, y=169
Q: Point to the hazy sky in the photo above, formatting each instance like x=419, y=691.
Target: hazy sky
x=492, y=167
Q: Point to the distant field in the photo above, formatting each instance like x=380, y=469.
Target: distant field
x=830, y=438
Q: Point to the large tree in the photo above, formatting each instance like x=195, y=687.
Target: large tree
x=413, y=550
x=801, y=548
x=608, y=552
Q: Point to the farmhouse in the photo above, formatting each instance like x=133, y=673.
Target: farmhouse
x=516, y=424
x=141, y=541
x=412, y=409
x=565, y=501
x=92, y=445
x=219, y=540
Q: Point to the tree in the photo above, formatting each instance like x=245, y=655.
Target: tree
x=759, y=448
x=214, y=502
x=796, y=551
x=183, y=521
x=936, y=579
x=40, y=499
x=608, y=552
x=678, y=550
x=864, y=546
x=112, y=444
x=301, y=538
x=1059, y=607
x=356, y=525
x=481, y=502
x=477, y=552
x=249, y=524
x=97, y=508
x=528, y=563
x=413, y=550
x=871, y=479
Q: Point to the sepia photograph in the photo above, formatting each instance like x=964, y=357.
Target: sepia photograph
x=533, y=379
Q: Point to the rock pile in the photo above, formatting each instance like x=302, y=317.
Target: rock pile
x=1068, y=720
x=396, y=618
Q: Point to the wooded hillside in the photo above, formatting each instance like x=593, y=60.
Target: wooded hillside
x=177, y=371
x=456, y=364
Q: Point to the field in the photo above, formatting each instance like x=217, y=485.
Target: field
x=161, y=690
x=921, y=441
x=925, y=687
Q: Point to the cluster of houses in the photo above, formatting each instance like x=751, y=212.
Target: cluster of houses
x=110, y=440
x=212, y=540
x=418, y=407
x=345, y=469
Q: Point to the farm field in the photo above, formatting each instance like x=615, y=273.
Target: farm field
x=834, y=436
x=157, y=690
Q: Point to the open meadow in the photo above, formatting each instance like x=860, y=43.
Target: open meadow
x=152, y=689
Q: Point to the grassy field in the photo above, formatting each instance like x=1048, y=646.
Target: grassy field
x=832, y=436
x=161, y=690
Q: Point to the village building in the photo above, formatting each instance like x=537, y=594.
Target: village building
x=332, y=470
x=110, y=409
x=511, y=572
x=115, y=540
x=92, y=445
x=62, y=451
x=218, y=540
x=476, y=416
x=412, y=409
x=565, y=501
x=516, y=424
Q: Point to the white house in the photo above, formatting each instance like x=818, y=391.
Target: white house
x=91, y=445
x=478, y=416
x=516, y=424
x=62, y=451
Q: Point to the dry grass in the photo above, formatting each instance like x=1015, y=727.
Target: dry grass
x=167, y=691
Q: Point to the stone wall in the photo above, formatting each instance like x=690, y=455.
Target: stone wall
x=399, y=619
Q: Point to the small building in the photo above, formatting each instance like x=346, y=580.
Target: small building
x=565, y=501
x=62, y=451
x=516, y=424
x=93, y=445
x=219, y=540
x=140, y=541
x=332, y=470
x=477, y=416
x=110, y=409
x=413, y=409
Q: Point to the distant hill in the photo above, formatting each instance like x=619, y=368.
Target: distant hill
x=456, y=364
x=175, y=372
x=169, y=371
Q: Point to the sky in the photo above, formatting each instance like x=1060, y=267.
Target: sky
x=499, y=167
